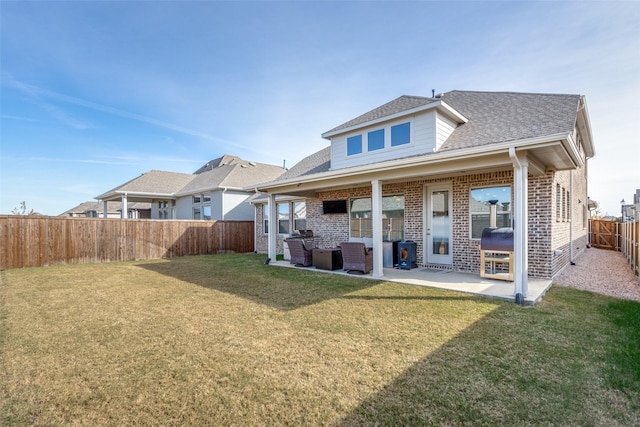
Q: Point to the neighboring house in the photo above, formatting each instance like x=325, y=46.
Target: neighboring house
x=630, y=212
x=216, y=191
x=114, y=210
x=424, y=169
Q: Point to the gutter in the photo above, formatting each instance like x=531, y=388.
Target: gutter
x=419, y=161
x=135, y=193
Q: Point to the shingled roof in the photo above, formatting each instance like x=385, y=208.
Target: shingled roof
x=398, y=105
x=492, y=117
x=223, y=172
x=507, y=116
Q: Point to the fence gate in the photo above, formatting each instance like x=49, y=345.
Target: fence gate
x=604, y=234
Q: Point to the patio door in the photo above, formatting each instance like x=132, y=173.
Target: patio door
x=438, y=229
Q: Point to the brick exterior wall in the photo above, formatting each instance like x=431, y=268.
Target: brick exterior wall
x=546, y=235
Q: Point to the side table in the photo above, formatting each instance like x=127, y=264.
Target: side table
x=327, y=259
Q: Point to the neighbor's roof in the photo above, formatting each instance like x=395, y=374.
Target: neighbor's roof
x=112, y=206
x=153, y=182
x=492, y=117
x=232, y=175
x=223, y=172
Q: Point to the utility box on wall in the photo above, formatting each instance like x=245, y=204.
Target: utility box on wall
x=407, y=255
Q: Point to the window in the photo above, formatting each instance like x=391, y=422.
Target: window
x=299, y=216
x=265, y=217
x=197, y=199
x=283, y=218
x=206, y=198
x=196, y=213
x=558, y=203
x=400, y=134
x=480, y=202
x=360, y=217
x=354, y=145
x=206, y=212
x=567, y=206
x=375, y=140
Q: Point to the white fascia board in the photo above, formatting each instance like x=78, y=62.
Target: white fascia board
x=420, y=160
x=279, y=198
x=570, y=147
x=207, y=190
x=121, y=193
x=587, y=135
x=434, y=105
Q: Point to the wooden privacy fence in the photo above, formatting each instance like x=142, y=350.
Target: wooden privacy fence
x=618, y=236
x=37, y=241
x=630, y=243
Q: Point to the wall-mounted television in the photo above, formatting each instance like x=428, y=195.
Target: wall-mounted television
x=334, y=206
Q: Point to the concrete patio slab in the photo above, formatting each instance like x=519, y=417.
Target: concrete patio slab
x=450, y=280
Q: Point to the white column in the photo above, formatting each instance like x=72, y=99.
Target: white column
x=520, y=228
x=123, y=213
x=376, y=219
x=104, y=209
x=273, y=226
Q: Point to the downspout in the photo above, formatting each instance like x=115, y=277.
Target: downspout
x=224, y=190
x=571, y=197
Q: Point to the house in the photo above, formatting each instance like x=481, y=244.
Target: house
x=114, y=210
x=429, y=169
x=219, y=190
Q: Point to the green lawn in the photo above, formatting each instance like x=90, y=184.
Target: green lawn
x=226, y=340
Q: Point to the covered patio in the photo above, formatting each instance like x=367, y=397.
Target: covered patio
x=450, y=280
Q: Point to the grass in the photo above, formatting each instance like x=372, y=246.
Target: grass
x=226, y=340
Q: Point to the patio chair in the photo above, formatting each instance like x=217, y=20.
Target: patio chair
x=356, y=257
x=300, y=255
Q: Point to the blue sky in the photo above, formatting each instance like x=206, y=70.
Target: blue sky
x=95, y=93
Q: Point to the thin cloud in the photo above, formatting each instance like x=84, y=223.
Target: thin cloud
x=40, y=93
x=92, y=161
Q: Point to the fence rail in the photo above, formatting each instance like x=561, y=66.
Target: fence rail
x=38, y=241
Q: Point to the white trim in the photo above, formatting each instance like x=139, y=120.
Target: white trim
x=427, y=225
x=376, y=221
x=427, y=159
x=521, y=225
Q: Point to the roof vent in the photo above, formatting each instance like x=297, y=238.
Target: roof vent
x=252, y=163
x=243, y=166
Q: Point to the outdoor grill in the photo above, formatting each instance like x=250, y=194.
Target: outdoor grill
x=496, y=253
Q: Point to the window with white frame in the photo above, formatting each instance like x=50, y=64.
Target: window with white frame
x=360, y=217
x=400, y=134
x=354, y=145
x=299, y=216
x=558, y=203
x=375, y=140
x=265, y=218
x=164, y=210
x=201, y=206
x=283, y=218
x=480, y=201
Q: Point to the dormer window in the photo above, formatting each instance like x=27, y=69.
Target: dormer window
x=354, y=145
x=400, y=134
x=375, y=140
